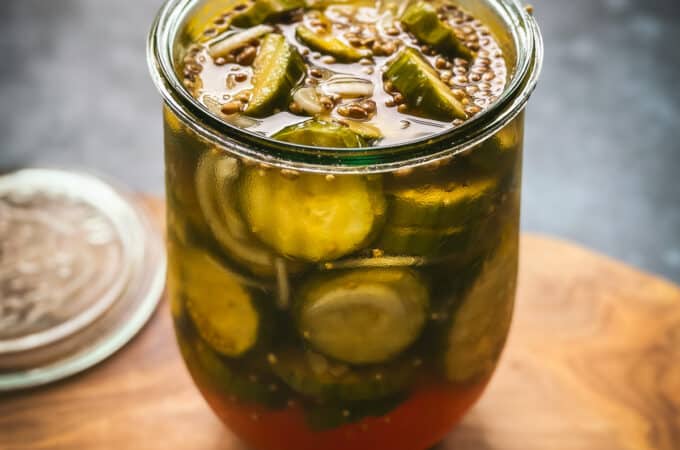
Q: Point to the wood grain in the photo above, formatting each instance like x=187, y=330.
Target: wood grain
x=593, y=363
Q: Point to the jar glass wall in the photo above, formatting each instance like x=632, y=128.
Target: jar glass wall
x=337, y=299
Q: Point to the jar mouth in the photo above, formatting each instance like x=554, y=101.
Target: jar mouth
x=526, y=38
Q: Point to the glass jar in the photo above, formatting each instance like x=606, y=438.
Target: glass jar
x=342, y=298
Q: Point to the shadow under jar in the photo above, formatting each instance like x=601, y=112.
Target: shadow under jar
x=329, y=298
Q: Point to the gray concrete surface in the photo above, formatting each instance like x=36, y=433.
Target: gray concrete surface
x=603, y=129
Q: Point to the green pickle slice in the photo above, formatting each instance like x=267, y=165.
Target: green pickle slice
x=363, y=316
x=321, y=134
x=437, y=219
x=261, y=11
x=423, y=21
x=447, y=204
x=481, y=323
x=243, y=380
x=216, y=185
x=311, y=217
x=420, y=85
x=276, y=70
x=368, y=132
x=328, y=44
x=314, y=376
x=222, y=311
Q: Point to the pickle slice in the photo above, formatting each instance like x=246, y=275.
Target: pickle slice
x=314, y=376
x=321, y=134
x=450, y=205
x=499, y=152
x=423, y=21
x=480, y=325
x=420, y=85
x=261, y=11
x=326, y=417
x=364, y=316
x=312, y=217
x=328, y=44
x=222, y=311
x=369, y=133
x=242, y=381
x=276, y=70
x=423, y=241
x=216, y=185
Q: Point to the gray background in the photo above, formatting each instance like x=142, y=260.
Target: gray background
x=603, y=129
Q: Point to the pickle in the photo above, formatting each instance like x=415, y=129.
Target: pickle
x=364, y=316
x=276, y=70
x=369, y=133
x=499, y=152
x=448, y=204
x=321, y=134
x=325, y=417
x=261, y=11
x=309, y=216
x=243, y=381
x=423, y=241
x=222, y=311
x=423, y=21
x=216, y=183
x=481, y=323
x=420, y=85
x=314, y=376
x=328, y=44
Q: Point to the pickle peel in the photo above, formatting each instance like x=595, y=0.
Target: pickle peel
x=311, y=217
x=321, y=133
x=480, y=326
x=424, y=92
x=422, y=20
x=261, y=11
x=237, y=381
x=364, y=316
x=449, y=204
x=276, y=70
x=316, y=377
x=423, y=241
x=368, y=132
x=222, y=311
x=330, y=45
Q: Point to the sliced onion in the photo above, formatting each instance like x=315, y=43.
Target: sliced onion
x=308, y=99
x=238, y=40
x=347, y=87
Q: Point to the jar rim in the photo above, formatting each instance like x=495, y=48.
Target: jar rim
x=529, y=49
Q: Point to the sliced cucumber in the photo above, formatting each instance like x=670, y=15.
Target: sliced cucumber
x=448, y=204
x=312, y=217
x=261, y=11
x=364, y=316
x=222, y=311
x=423, y=21
x=321, y=134
x=216, y=185
x=480, y=325
x=420, y=85
x=499, y=152
x=423, y=241
x=326, y=417
x=328, y=44
x=369, y=133
x=276, y=70
x=312, y=375
x=243, y=381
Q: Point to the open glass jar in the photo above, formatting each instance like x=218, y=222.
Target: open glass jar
x=342, y=298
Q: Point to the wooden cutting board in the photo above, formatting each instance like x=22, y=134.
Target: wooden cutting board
x=593, y=363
